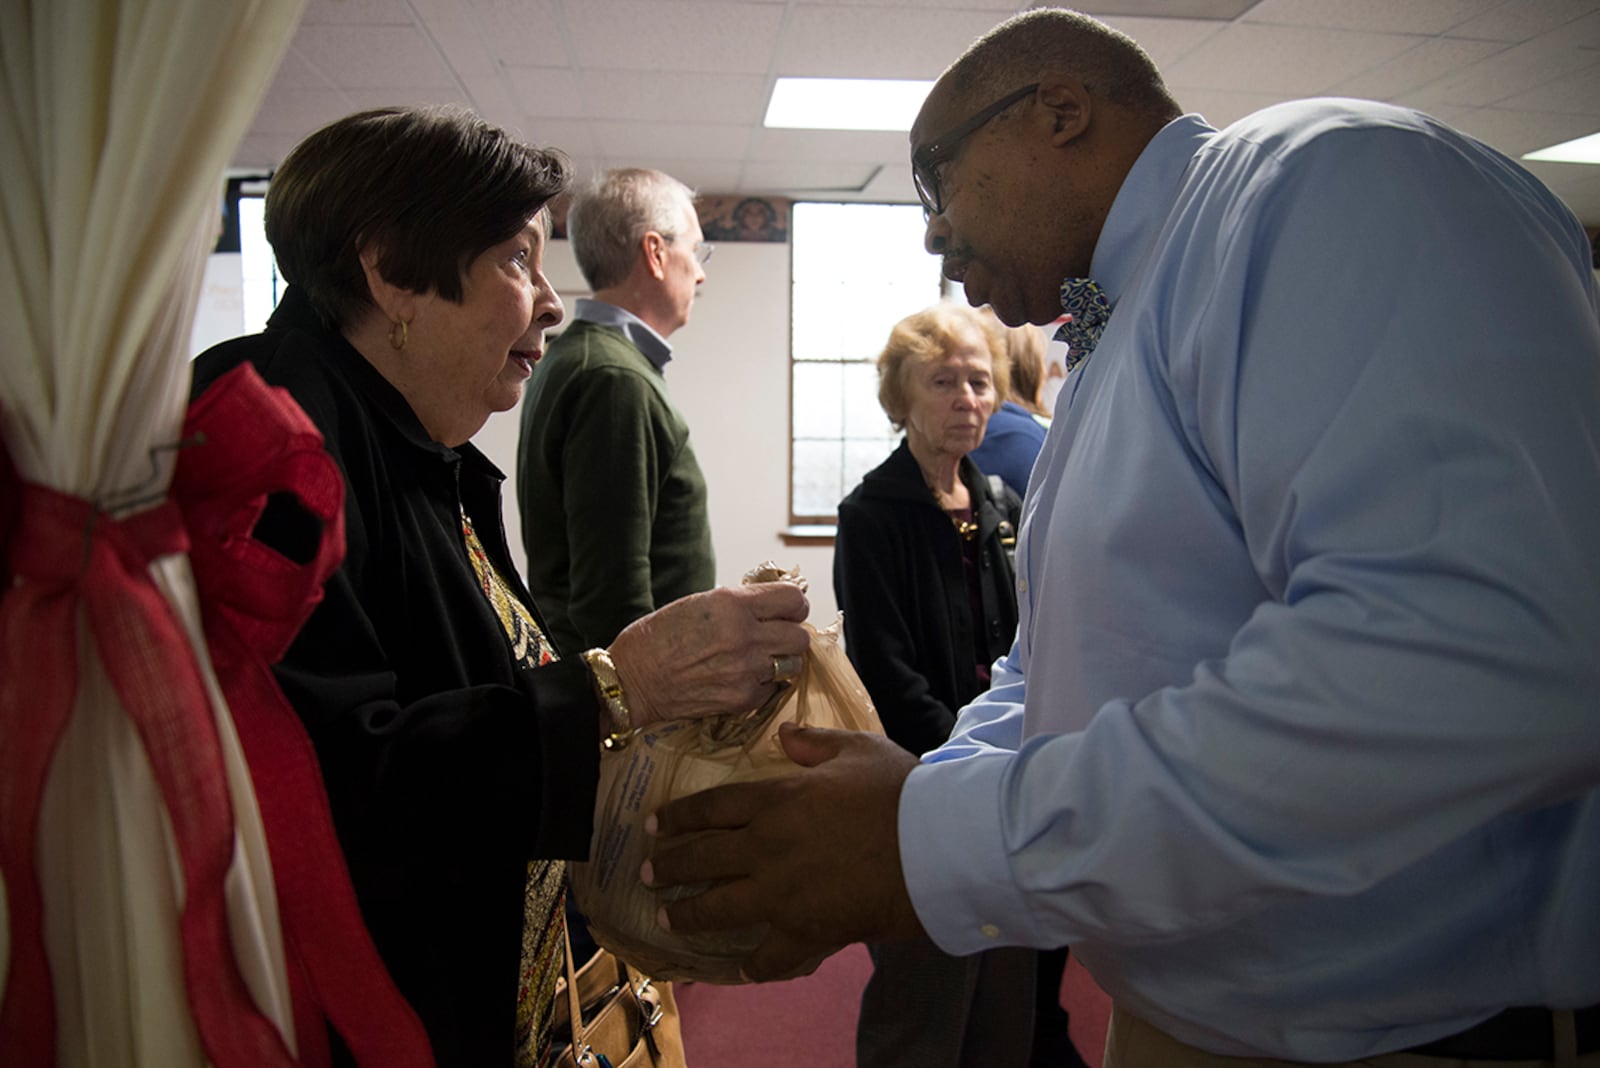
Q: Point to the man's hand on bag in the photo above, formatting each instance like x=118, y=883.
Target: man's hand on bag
x=815, y=854
x=710, y=653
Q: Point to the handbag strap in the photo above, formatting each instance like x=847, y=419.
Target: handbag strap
x=581, y=1053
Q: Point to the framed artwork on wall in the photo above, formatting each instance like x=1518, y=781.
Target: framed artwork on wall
x=736, y=218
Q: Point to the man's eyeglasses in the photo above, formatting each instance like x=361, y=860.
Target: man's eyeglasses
x=702, y=249
x=926, y=161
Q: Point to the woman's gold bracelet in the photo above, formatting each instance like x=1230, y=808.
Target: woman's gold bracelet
x=608, y=685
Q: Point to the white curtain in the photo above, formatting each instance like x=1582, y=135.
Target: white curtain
x=117, y=119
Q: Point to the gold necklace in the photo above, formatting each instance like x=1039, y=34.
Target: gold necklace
x=967, y=529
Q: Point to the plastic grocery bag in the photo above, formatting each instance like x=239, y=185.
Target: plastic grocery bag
x=679, y=758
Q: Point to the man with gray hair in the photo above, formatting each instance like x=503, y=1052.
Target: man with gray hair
x=612, y=499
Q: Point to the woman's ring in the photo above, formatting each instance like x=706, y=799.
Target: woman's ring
x=786, y=668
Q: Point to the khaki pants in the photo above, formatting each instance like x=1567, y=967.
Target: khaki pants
x=1132, y=1043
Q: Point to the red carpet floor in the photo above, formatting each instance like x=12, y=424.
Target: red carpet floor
x=811, y=1022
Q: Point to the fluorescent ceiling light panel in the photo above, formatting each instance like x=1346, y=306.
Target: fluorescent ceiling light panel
x=845, y=103
x=1583, y=150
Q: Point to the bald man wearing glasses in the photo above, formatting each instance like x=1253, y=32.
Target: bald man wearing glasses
x=1298, y=746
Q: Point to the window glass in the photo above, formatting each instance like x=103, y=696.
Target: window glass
x=260, y=270
x=857, y=270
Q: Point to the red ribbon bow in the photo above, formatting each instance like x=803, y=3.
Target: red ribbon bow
x=63, y=558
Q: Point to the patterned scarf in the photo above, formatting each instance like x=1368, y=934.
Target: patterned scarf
x=544, y=905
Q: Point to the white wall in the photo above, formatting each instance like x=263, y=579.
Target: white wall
x=730, y=376
x=219, y=315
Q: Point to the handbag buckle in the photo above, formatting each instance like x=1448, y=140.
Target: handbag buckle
x=649, y=1003
x=588, y=1058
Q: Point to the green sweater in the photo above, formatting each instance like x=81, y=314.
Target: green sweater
x=613, y=503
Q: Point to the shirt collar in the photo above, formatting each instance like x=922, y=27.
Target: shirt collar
x=644, y=338
x=1141, y=206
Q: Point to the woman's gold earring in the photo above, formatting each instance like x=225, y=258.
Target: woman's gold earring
x=397, y=334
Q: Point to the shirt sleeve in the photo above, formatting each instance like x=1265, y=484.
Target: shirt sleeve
x=1393, y=379
x=992, y=723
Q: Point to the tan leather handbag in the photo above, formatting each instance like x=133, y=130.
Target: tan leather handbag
x=609, y=1015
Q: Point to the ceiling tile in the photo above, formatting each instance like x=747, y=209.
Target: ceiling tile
x=1284, y=59
x=1177, y=9
x=1509, y=73
x=812, y=176
x=351, y=12
x=1381, y=16
x=1001, y=8
x=725, y=141
x=263, y=151
x=296, y=112
x=1432, y=59
x=621, y=94
x=683, y=84
x=879, y=42
x=545, y=92
x=1575, y=94
x=1105, y=10
x=847, y=145
x=403, y=97
x=1582, y=32
x=375, y=57
x=518, y=33
x=698, y=36
x=1523, y=19
x=701, y=175
x=295, y=71
x=575, y=137
x=1516, y=132
x=1168, y=40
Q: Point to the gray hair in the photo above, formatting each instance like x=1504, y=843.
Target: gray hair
x=1056, y=40
x=611, y=214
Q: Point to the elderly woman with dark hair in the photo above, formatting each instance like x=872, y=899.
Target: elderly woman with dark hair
x=923, y=575
x=460, y=752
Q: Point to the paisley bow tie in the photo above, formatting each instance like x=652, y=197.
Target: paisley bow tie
x=1088, y=309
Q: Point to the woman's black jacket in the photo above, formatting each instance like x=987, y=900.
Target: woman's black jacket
x=900, y=581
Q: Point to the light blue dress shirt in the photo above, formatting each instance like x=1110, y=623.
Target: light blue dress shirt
x=1299, y=743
